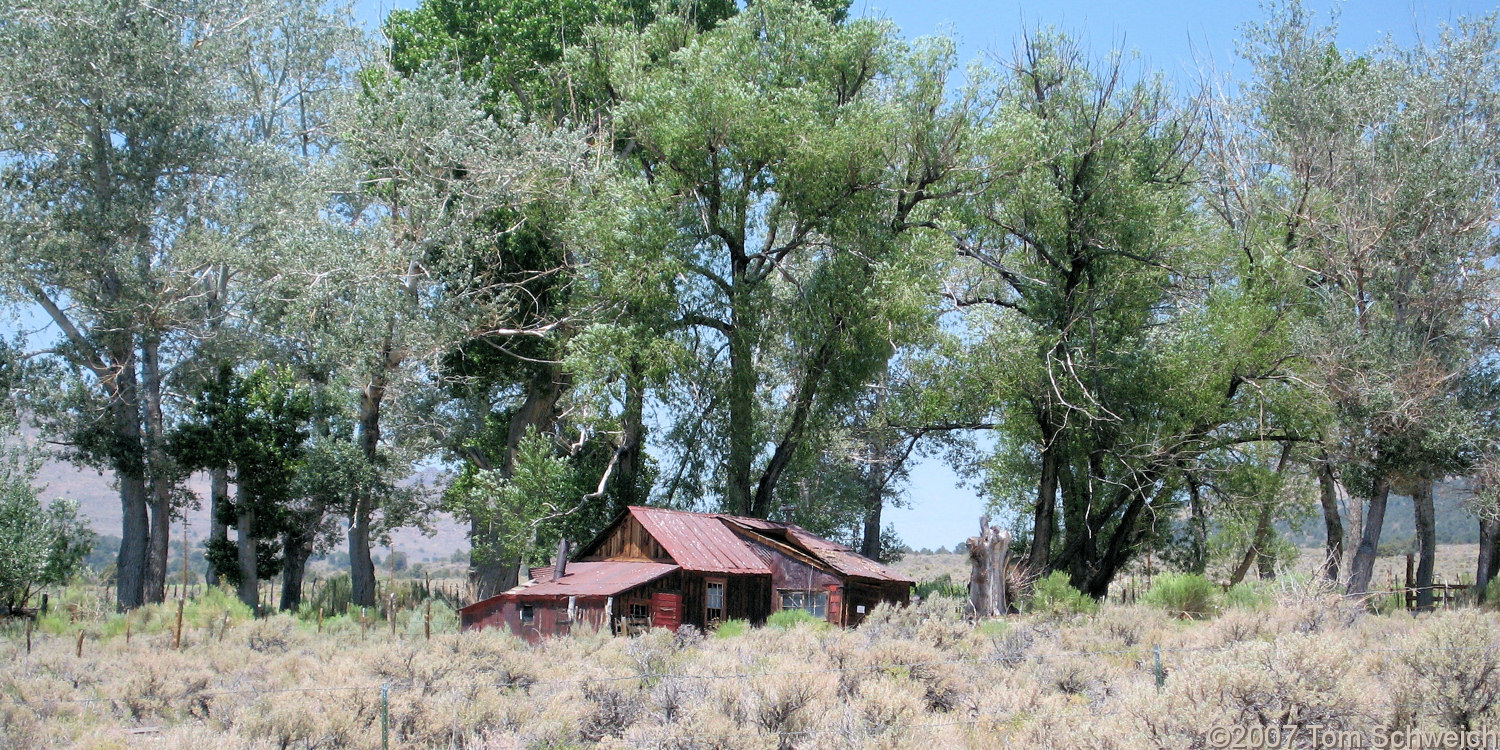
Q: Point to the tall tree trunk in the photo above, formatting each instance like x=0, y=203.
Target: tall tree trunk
x=136, y=532
x=218, y=496
x=1352, y=530
x=158, y=477
x=739, y=491
x=1421, y=500
x=1363, y=566
x=1258, y=541
x=130, y=566
x=297, y=547
x=1484, y=570
x=1333, y=526
x=361, y=565
x=1045, y=520
x=632, y=437
x=244, y=524
x=1198, y=521
x=869, y=544
x=493, y=569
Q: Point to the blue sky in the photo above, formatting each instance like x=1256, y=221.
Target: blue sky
x=1179, y=37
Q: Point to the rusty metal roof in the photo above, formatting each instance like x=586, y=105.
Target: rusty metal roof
x=699, y=541
x=588, y=579
x=837, y=556
x=542, y=573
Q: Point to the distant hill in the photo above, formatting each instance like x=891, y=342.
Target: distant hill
x=99, y=501
x=1452, y=521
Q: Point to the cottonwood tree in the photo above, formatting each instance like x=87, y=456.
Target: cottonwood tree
x=131, y=157
x=427, y=167
x=500, y=388
x=1378, y=174
x=781, y=175
x=1113, y=355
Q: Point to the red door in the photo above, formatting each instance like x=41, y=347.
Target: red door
x=836, y=605
x=666, y=611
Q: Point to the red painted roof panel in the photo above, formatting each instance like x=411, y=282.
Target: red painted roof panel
x=699, y=541
x=589, y=579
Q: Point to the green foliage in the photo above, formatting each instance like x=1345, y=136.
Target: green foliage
x=1055, y=595
x=40, y=545
x=513, y=46
x=943, y=585
x=516, y=512
x=1184, y=595
x=992, y=628
x=732, y=629
x=255, y=426
x=787, y=619
x=1248, y=595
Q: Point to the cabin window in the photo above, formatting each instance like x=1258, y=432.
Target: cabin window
x=528, y=613
x=814, y=603
x=640, y=610
x=713, y=602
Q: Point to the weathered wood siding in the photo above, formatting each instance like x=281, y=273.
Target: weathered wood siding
x=745, y=597
x=549, y=616
x=866, y=594
x=628, y=540
x=790, y=573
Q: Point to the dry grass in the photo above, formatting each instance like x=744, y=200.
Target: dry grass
x=918, y=678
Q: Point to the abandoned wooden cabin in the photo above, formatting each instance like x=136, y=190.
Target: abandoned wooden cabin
x=653, y=567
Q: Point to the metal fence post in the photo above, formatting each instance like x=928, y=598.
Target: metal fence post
x=385, y=716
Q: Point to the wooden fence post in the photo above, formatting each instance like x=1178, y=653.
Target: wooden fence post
x=78, y=650
x=1409, y=596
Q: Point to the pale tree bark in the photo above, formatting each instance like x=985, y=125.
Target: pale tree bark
x=988, y=554
x=1353, y=529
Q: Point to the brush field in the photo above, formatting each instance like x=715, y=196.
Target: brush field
x=916, y=678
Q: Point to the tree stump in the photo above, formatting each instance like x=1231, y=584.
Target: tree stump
x=988, y=554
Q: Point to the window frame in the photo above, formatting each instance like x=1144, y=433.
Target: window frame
x=812, y=601
x=708, y=609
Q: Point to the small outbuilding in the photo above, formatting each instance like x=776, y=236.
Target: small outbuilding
x=653, y=567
